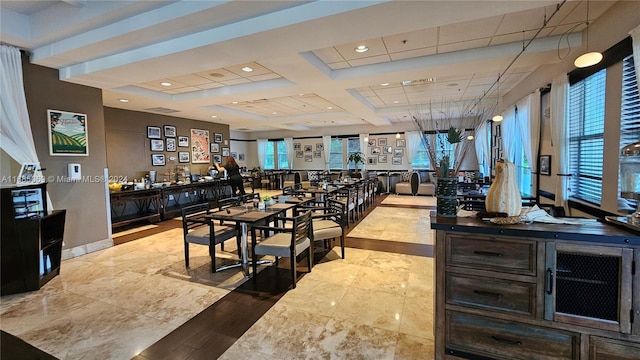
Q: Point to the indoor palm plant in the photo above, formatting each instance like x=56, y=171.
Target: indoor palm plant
x=356, y=158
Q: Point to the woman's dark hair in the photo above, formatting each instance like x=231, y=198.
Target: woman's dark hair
x=230, y=161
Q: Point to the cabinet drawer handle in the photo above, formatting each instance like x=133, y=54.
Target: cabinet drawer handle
x=488, y=253
x=506, y=341
x=488, y=293
x=549, y=281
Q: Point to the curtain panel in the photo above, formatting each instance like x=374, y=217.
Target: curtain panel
x=414, y=138
x=288, y=145
x=262, y=152
x=558, y=97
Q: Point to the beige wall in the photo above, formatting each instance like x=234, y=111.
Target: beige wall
x=85, y=201
x=129, y=149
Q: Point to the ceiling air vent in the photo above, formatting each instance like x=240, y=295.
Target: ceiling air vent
x=162, y=110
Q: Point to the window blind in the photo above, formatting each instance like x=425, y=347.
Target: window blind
x=586, y=136
x=335, y=154
x=283, y=162
x=630, y=108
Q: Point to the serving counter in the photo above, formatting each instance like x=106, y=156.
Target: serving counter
x=162, y=203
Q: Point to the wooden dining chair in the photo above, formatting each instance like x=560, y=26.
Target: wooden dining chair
x=198, y=229
x=285, y=242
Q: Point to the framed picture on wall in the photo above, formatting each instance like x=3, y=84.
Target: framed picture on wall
x=183, y=156
x=545, y=165
x=154, y=132
x=67, y=133
x=241, y=157
x=308, y=158
x=157, y=145
x=398, y=152
x=319, y=147
x=215, y=147
x=382, y=159
x=396, y=161
x=375, y=151
x=400, y=143
x=317, y=154
x=299, y=153
x=372, y=142
x=171, y=144
x=169, y=131
x=217, y=159
x=387, y=150
x=183, y=141
x=225, y=151
x=372, y=161
x=199, y=142
x=234, y=155
x=157, y=159
x=382, y=141
x=308, y=148
x=297, y=146
x=217, y=137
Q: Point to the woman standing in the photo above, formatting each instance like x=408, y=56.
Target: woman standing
x=233, y=172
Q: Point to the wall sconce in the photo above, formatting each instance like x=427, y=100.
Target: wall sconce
x=397, y=135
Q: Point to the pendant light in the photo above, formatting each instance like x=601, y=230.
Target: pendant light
x=497, y=117
x=589, y=58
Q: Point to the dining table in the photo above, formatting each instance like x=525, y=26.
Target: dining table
x=320, y=193
x=245, y=216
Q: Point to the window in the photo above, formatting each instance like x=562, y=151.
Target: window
x=283, y=162
x=336, y=159
x=353, y=146
x=270, y=162
x=586, y=137
x=630, y=112
x=421, y=157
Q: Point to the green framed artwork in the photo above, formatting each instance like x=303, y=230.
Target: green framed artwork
x=67, y=133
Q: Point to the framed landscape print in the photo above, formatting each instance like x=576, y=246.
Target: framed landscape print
x=169, y=131
x=171, y=144
x=183, y=141
x=199, y=142
x=67, y=133
x=157, y=159
x=183, y=156
x=153, y=132
x=157, y=145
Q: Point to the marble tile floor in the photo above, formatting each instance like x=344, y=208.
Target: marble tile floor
x=114, y=303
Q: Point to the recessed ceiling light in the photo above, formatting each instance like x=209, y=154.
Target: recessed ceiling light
x=247, y=69
x=361, y=49
x=396, y=102
x=164, y=83
x=274, y=113
x=123, y=100
x=329, y=107
x=234, y=102
x=214, y=116
x=384, y=84
x=301, y=94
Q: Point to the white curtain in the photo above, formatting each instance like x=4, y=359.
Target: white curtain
x=509, y=133
x=635, y=38
x=482, y=148
x=529, y=123
x=262, y=152
x=364, y=149
x=288, y=145
x=326, y=149
x=16, y=138
x=560, y=165
x=414, y=138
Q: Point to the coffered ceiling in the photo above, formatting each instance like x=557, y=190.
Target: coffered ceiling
x=269, y=65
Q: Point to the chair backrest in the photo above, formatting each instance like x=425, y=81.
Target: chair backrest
x=248, y=197
x=193, y=216
x=338, y=211
x=226, y=202
x=288, y=190
x=301, y=227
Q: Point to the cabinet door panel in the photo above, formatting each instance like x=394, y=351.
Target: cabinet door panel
x=609, y=349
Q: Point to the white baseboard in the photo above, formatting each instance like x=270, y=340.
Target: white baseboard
x=86, y=249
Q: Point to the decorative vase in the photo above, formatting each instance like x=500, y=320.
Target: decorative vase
x=446, y=194
x=503, y=195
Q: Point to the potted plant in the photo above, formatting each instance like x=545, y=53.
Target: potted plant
x=356, y=158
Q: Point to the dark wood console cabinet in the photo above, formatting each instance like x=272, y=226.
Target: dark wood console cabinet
x=535, y=291
x=31, y=242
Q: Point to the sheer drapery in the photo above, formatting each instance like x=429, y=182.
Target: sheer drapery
x=635, y=39
x=326, y=149
x=16, y=138
x=558, y=98
x=288, y=146
x=364, y=145
x=482, y=148
x=414, y=138
x=529, y=122
x=262, y=151
x=509, y=134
